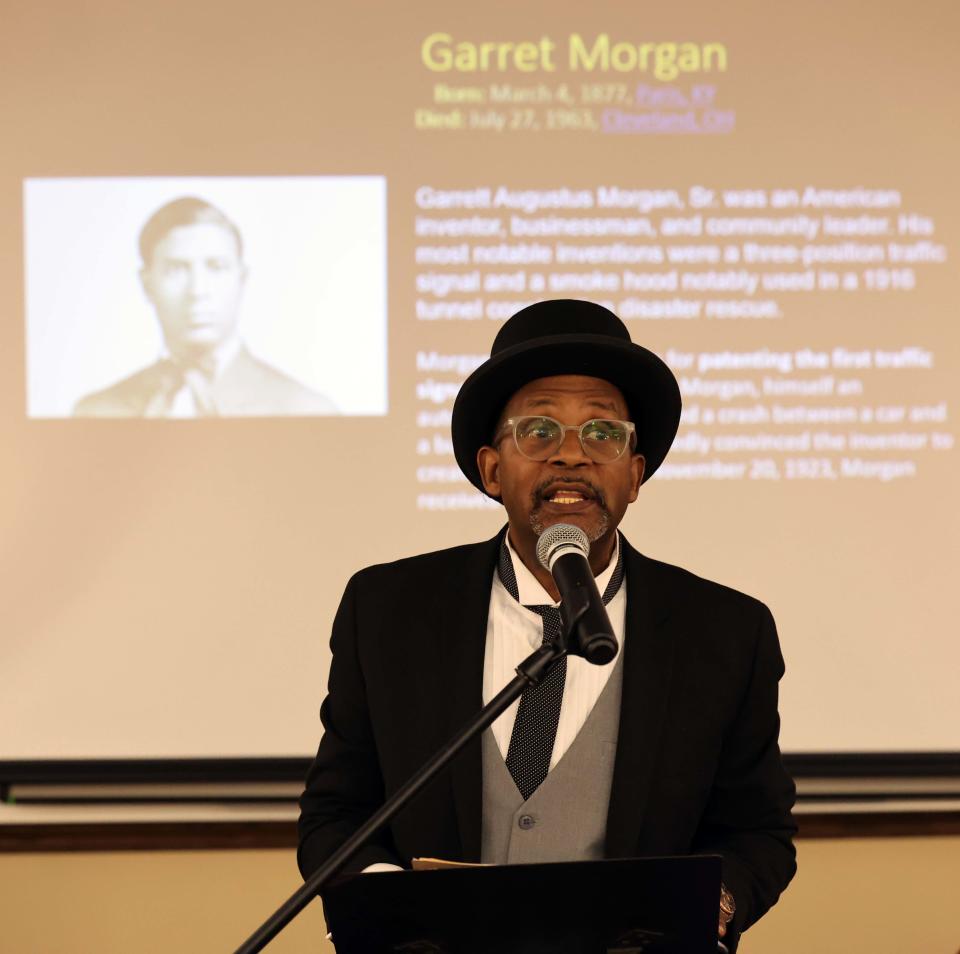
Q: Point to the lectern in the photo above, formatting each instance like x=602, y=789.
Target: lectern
x=648, y=905
x=655, y=906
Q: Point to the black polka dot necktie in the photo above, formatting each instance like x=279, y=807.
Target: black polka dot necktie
x=535, y=730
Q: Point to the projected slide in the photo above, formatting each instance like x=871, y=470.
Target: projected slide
x=248, y=261
x=146, y=298
x=758, y=291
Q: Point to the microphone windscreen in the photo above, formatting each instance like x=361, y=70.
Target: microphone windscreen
x=561, y=535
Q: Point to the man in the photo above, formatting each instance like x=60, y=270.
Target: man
x=669, y=749
x=193, y=274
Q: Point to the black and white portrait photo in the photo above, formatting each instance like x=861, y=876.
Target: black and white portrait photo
x=225, y=298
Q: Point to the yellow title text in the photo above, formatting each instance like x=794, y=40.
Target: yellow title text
x=665, y=61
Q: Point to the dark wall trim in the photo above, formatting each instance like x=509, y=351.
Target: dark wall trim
x=878, y=824
x=145, y=771
x=873, y=764
x=294, y=769
x=148, y=836
x=232, y=836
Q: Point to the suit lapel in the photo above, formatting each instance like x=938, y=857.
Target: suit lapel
x=463, y=630
x=647, y=668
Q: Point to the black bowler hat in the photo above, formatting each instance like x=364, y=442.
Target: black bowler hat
x=566, y=336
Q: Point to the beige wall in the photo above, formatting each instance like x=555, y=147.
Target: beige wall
x=871, y=896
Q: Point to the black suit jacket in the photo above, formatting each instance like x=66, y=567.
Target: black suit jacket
x=697, y=769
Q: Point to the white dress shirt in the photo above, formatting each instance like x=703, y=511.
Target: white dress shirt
x=185, y=402
x=513, y=632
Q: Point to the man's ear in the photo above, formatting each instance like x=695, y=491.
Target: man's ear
x=488, y=463
x=638, y=465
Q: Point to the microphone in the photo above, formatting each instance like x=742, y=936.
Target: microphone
x=563, y=550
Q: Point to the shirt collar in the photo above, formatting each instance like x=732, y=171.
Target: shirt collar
x=219, y=360
x=532, y=592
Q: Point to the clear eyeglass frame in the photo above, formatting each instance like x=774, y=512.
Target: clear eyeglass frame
x=590, y=448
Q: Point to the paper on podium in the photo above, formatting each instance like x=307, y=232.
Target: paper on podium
x=438, y=864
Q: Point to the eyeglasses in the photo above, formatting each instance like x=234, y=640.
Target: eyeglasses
x=539, y=438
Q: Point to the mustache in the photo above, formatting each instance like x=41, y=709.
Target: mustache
x=539, y=492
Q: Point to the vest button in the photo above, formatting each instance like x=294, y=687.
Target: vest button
x=527, y=822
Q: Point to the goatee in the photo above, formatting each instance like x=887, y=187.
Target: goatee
x=594, y=532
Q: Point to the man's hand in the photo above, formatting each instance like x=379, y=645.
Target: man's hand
x=727, y=908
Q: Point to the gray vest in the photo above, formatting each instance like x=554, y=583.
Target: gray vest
x=566, y=817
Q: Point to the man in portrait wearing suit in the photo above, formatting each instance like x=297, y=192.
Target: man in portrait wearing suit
x=670, y=749
x=193, y=274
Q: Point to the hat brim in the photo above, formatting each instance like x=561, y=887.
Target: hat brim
x=650, y=389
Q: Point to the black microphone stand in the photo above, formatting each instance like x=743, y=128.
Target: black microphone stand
x=530, y=672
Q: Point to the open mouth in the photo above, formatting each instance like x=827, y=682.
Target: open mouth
x=568, y=495
x=566, y=498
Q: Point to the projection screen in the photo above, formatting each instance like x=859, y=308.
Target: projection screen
x=361, y=194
